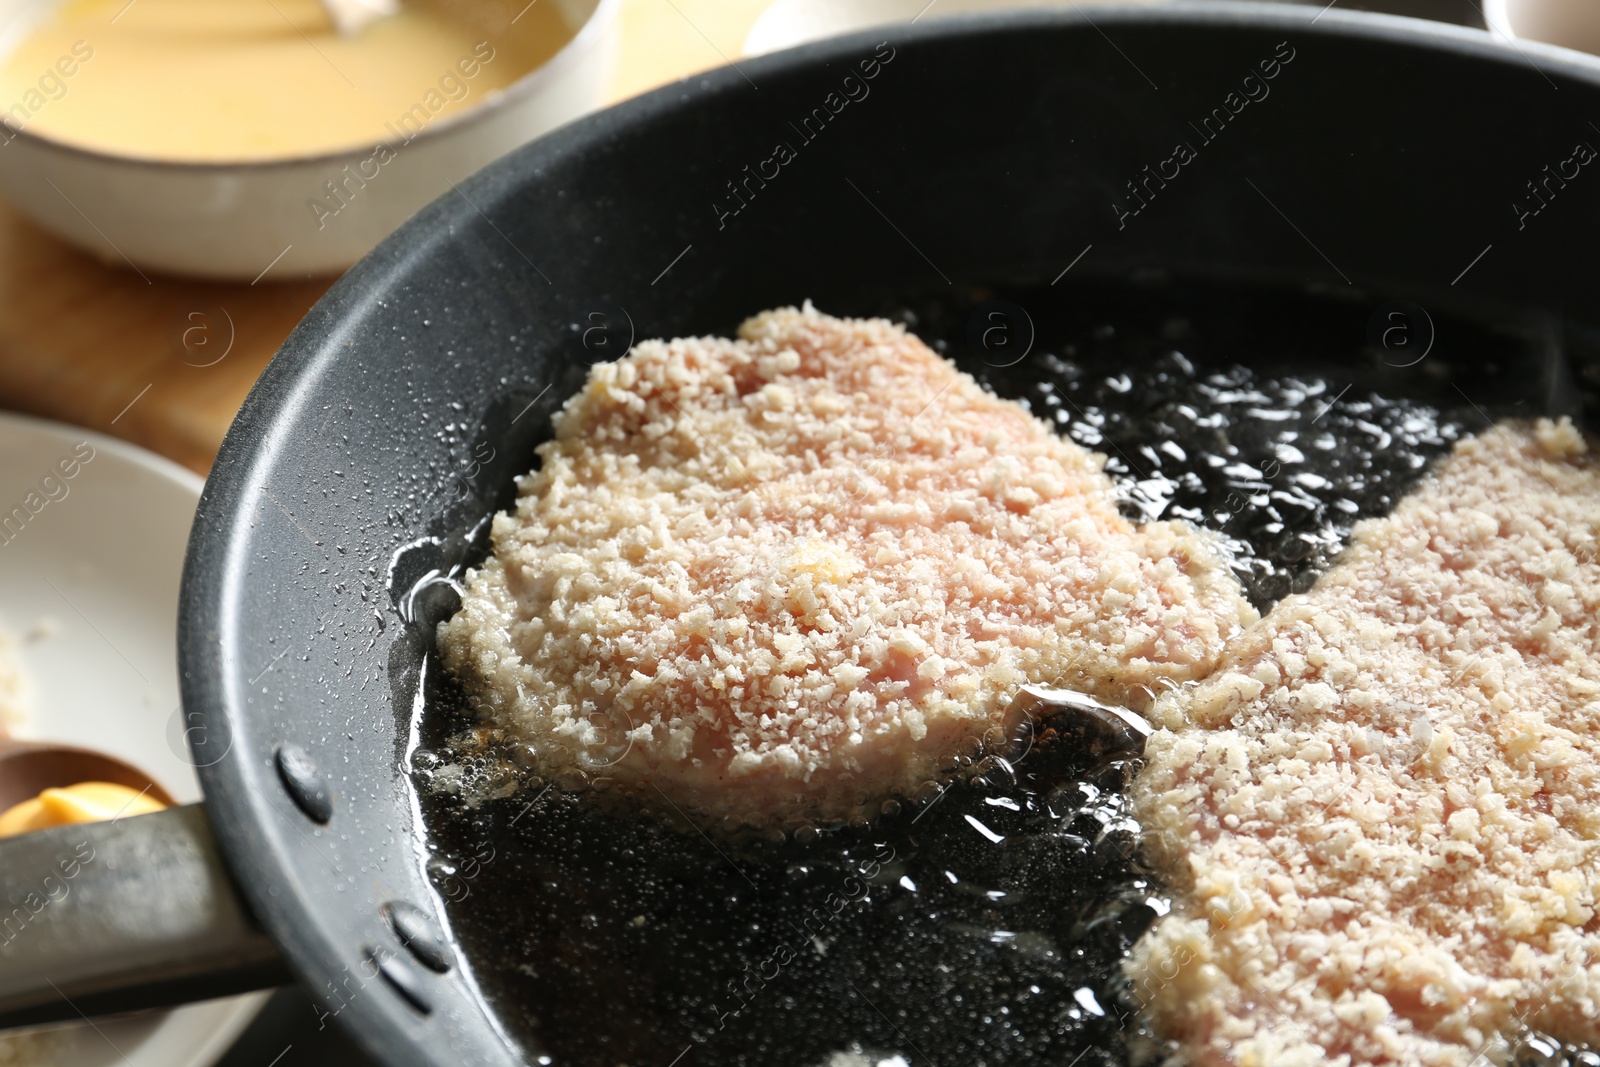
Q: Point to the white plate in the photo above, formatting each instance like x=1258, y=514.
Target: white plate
x=95, y=575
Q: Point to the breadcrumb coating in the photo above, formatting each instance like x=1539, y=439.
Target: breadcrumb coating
x=1380, y=815
x=795, y=573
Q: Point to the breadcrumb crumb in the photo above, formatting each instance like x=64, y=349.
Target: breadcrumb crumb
x=795, y=573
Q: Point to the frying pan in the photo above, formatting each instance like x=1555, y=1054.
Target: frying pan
x=1392, y=159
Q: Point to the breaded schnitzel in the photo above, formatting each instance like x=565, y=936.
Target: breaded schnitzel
x=797, y=572
x=1381, y=816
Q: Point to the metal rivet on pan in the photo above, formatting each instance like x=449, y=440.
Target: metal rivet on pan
x=418, y=934
x=402, y=976
x=306, y=786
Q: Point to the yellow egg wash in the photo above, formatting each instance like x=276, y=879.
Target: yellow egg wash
x=73, y=804
x=239, y=80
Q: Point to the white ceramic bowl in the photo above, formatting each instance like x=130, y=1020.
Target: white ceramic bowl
x=1569, y=23
x=243, y=221
x=791, y=22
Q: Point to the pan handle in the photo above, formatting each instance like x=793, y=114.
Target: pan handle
x=121, y=916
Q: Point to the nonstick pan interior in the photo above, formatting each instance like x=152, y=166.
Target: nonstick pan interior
x=1005, y=151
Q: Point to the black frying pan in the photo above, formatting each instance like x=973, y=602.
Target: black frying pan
x=1390, y=161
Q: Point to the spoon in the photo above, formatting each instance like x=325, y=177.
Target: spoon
x=28, y=768
x=353, y=16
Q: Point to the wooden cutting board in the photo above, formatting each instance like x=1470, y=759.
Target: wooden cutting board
x=165, y=363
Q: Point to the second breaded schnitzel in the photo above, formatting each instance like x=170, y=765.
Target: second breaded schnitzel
x=1381, y=816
